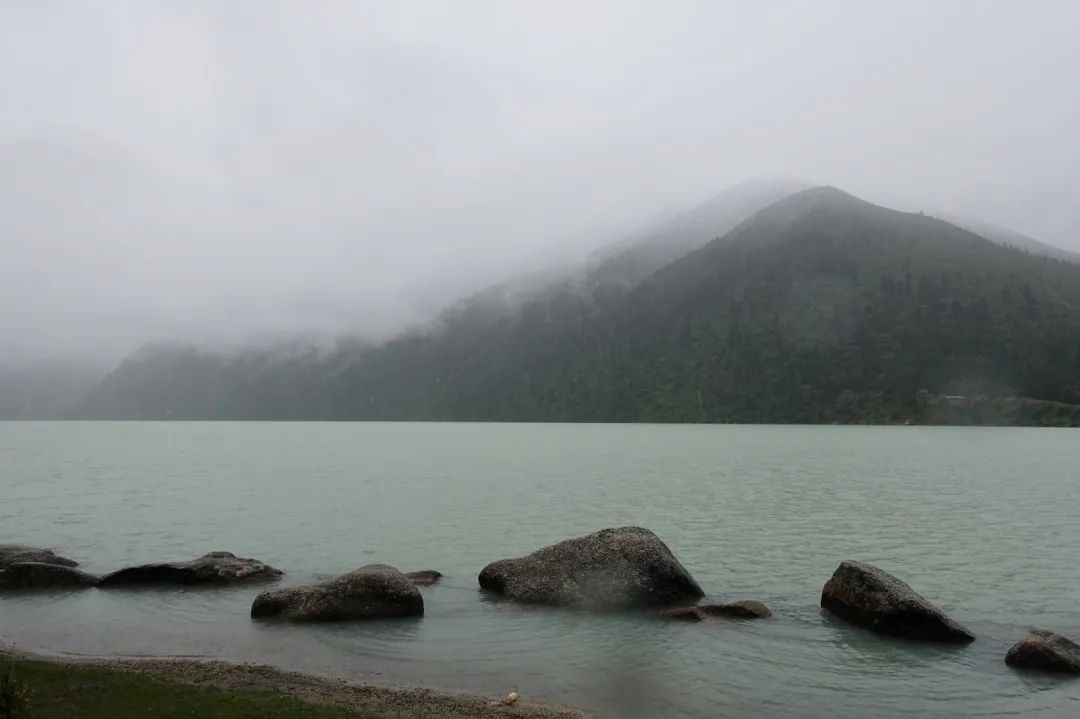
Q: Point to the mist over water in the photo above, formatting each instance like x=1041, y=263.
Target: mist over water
x=753, y=512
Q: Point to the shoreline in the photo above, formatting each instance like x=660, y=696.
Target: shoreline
x=349, y=695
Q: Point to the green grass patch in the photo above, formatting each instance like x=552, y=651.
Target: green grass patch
x=64, y=692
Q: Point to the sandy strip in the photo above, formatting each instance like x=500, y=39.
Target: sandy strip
x=392, y=702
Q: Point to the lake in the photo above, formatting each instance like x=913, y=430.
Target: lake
x=982, y=521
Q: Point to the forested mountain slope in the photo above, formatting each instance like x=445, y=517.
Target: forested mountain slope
x=1012, y=238
x=819, y=308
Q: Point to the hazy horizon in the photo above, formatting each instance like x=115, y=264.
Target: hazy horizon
x=225, y=173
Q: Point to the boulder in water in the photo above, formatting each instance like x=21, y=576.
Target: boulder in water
x=370, y=592
x=1045, y=651
x=12, y=553
x=870, y=597
x=211, y=568
x=40, y=575
x=622, y=568
x=744, y=609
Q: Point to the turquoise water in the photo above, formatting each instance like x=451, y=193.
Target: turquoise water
x=981, y=521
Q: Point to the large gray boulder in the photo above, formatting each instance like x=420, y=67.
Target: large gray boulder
x=870, y=597
x=370, y=592
x=14, y=553
x=40, y=575
x=211, y=568
x=1047, y=652
x=622, y=568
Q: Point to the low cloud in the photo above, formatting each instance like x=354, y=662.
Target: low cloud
x=219, y=172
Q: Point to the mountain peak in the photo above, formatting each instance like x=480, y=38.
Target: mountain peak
x=827, y=194
x=630, y=262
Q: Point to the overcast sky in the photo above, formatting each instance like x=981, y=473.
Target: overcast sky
x=209, y=170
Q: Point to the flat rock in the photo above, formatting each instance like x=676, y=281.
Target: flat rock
x=622, y=568
x=370, y=592
x=871, y=597
x=744, y=609
x=1045, y=651
x=12, y=553
x=41, y=575
x=424, y=578
x=211, y=568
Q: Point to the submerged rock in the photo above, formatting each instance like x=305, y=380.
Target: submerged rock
x=211, y=568
x=1045, y=651
x=13, y=553
x=620, y=568
x=684, y=614
x=424, y=578
x=41, y=575
x=370, y=592
x=870, y=597
x=744, y=609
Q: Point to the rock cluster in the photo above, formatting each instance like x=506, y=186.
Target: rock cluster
x=621, y=568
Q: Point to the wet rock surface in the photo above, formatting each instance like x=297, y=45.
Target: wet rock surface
x=871, y=597
x=40, y=575
x=211, y=568
x=744, y=609
x=18, y=553
x=1047, y=652
x=370, y=592
x=623, y=568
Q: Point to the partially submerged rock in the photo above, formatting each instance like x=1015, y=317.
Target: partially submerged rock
x=40, y=575
x=744, y=609
x=1045, y=651
x=14, y=553
x=211, y=568
x=370, y=592
x=620, y=568
x=871, y=597
x=684, y=614
x=424, y=578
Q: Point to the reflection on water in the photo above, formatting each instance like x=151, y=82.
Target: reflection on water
x=979, y=520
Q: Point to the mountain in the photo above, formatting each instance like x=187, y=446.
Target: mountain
x=178, y=381
x=1012, y=238
x=818, y=308
x=670, y=238
x=623, y=265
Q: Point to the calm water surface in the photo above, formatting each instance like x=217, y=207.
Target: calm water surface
x=981, y=521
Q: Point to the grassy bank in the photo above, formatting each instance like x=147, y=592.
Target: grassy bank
x=170, y=688
x=60, y=691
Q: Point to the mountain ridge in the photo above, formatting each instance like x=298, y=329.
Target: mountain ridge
x=820, y=307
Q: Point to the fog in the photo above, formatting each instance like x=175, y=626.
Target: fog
x=220, y=172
